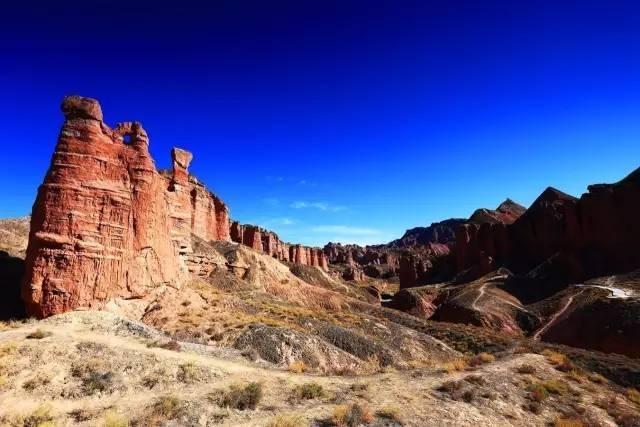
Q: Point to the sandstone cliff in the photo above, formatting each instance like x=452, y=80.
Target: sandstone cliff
x=107, y=224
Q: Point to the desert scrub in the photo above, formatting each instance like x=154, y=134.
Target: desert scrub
x=538, y=393
x=112, y=419
x=351, y=415
x=558, y=360
x=94, y=376
x=8, y=349
x=172, y=345
x=240, y=397
x=164, y=408
x=36, y=382
x=597, y=378
x=298, y=367
x=188, y=373
x=526, y=369
x=390, y=413
x=40, y=417
x=454, y=365
x=288, y=421
x=308, y=391
x=39, y=334
x=481, y=359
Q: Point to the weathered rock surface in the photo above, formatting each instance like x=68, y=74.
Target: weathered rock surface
x=107, y=224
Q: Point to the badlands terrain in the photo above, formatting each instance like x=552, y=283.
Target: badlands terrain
x=130, y=297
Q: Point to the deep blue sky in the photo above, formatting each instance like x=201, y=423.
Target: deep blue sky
x=336, y=120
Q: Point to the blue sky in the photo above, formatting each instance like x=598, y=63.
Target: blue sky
x=337, y=120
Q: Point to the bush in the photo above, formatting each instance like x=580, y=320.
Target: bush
x=41, y=417
x=172, y=345
x=555, y=386
x=389, y=413
x=167, y=408
x=297, y=367
x=538, y=393
x=242, y=398
x=455, y=365
x=39, y=334
x=597, y=378
x=351, y=415
x=308, y=391
x=481, y=359
x=188, y=373
x=526, y=369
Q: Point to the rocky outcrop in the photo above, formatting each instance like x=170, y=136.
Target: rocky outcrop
x=506, y=213
x=439, y=232
x=101, y=219
x=107, y=224
x=594, y=235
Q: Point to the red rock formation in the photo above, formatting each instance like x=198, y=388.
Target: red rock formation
x=506, y=213
x=100, y=222
x=595, y=235
x=236, y=232
x=252, y=237
x=106, y=224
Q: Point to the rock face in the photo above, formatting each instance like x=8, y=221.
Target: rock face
x=594, y=235
x=106, y=224
x=506, y=213
x=439, y=232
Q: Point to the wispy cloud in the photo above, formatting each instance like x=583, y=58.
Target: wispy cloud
x=271, y=201
x=323, y=206
x=346, y=230
x=271, y=222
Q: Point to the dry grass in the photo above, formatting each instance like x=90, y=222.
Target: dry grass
x=188, y=373
x=481, y=359
x=298, y=367
x=454, y=365
x=560, y=361
x=633, y=395
x=568, y=422
x=40, y=417
x=351, y=415
x=291, y=420
x=526, y=369
x=112, y=419
x=597, y=378
x=390, y=413
x=241, y=397
x=371, y=365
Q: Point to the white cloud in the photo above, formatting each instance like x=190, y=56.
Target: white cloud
x=346, y=230
x=323, y=206
x=275, y=222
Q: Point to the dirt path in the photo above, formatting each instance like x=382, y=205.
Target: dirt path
x=555, y=317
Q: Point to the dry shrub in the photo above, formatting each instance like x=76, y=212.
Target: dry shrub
x=371, y=365
x=172, y=345
x=526, y=369
x=538, y=393
x=577, y=376
x=292, y=420
x=454, y=365
x=568, y=422
x=298, y=367
x=351, y=415
x=39, y=334
x=8, y=349
x=481, y=359
x=558, y=360
x=241, y=398
x=36, y=382
x=309, y=391
x=165, y=408
x=40, y=417
x=389, y=413
x=188, y=373
x=555, y=386
x=633, y=395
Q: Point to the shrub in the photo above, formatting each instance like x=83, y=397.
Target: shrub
x=389, y=413
x=188, y=373
x=450, y=386
x=8, y=348
x=167, y=408
x=288, y=421
x=455, y=365
x=242, y=398
x=351, y=415
x=297, y=367
x=40, y=417
x=633, y=395
x=538, y=393
x=475, y=379
x=559, y=360
x=576, y=375
x=36, y=382
x=308, y=391
x=172, y=345
x=112, y=419
x=534, y=407
x=526, y=369
x=481, y=359
x=555, y=386
x=39, y=334
x=97, y=382
x=568, y=422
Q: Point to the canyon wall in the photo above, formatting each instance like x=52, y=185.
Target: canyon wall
x=106, y=223
x=594, y=235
